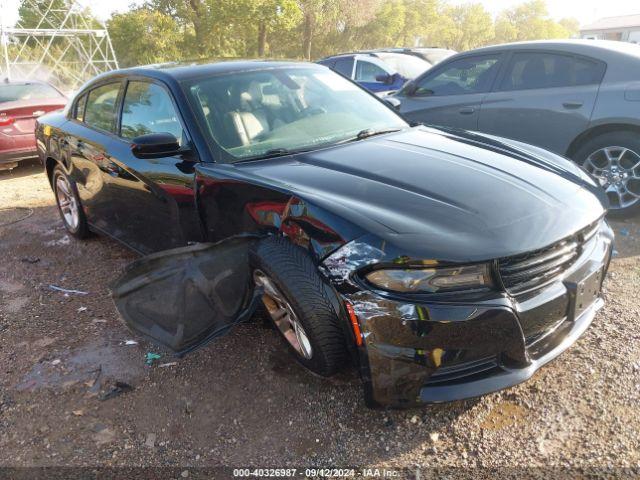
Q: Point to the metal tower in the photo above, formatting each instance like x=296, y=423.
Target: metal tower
x=64, y=44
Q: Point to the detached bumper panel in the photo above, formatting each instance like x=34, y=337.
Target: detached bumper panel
x=428, y=352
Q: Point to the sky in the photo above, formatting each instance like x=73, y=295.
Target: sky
x=586, y=11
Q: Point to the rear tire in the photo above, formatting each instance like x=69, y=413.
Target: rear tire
x=614, y=159
x=69, y=204
x=286, y=271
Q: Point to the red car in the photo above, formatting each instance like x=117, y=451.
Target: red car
x=20, y=104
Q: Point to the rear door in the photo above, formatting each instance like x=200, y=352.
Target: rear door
x=451, y=93
x=91, y=144
x=366, y=72
x=544, y=98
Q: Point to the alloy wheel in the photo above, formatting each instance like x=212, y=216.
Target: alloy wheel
x=283, y=315
x=67, y=202
x=617, y=169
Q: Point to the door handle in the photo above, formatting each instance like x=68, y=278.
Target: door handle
x=467, y=110
x=572, y=105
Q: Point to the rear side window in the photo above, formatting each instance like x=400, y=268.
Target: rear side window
x=459, y=77
x=100, y=111
x=530, y=70
x=344, y=66
x=147, y=109
x=78, y=113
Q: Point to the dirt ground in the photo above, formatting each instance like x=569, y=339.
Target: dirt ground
x=241, y=401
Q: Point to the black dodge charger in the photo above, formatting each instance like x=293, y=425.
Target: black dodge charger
x=444, y=264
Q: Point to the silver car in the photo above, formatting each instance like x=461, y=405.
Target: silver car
x=580, y=99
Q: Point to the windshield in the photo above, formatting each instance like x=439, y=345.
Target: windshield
x=26, y=91
x=252, y=114
x=438, y=55
x=408, y=66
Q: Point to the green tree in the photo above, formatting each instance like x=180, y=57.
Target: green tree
x=272, y=16
x=466, y=26
x=144, y=36
x=531, y=21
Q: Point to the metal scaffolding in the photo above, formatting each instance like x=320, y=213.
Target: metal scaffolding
x=64, y=44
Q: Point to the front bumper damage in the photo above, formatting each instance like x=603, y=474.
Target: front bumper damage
x=423, y=351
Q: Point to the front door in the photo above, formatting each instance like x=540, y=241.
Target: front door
x=153, y=199
x=451, y=94
x=368, y=72
x=543, y=98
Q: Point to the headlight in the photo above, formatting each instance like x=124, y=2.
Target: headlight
x=432, y=280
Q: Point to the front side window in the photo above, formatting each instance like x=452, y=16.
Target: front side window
x=250, y=114
x=367, y=71
x=100, y=111
x=148, y=108
x=530, y=70
x=462, y=76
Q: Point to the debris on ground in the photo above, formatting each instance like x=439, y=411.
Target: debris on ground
x=118, y=389
x=624, y=232
x=170, y=364
x=151, y=440
x=30, y=260
x=151, y=357
x=131, y=342
x=67, y=290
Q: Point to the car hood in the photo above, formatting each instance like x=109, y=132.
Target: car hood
x=444, y=194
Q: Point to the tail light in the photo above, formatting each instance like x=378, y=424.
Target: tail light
x=6, y=121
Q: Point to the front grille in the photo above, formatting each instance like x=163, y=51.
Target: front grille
x=531, y=270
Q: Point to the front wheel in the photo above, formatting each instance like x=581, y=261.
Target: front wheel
x=614, y=160
x=298, y=303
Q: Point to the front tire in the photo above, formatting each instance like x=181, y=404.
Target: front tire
x=69, y=204
x=297, y=301
x=614, y=159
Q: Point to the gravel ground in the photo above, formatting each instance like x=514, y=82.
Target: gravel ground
x=241, y=401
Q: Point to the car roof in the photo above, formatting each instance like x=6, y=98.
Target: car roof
x=185, y=71
x=598, y=48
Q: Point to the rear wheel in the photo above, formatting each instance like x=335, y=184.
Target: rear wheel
x=614, y=159
x=297, y=301
x=69, y=204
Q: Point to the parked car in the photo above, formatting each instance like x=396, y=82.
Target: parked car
x=378, y=72
x=433, y=55
x=576, y=98
x=445, y=264
x=20, y=104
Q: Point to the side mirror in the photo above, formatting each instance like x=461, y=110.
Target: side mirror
x=393, y=102
x=409, y=88
x=153, y=145
x=385, y=78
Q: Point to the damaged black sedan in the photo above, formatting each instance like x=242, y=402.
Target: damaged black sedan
x=445, y=264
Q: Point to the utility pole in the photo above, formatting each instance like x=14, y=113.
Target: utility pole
x=65, y=46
